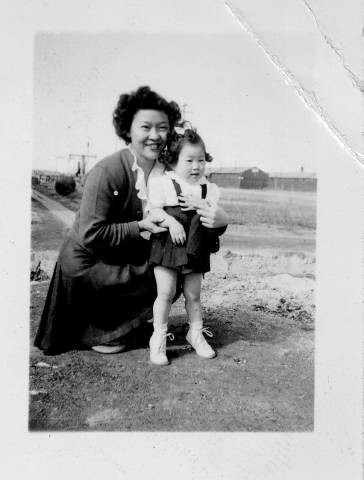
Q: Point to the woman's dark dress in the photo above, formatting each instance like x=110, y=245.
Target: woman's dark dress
x=102, y=286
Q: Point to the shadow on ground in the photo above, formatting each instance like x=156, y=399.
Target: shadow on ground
x=261, y=380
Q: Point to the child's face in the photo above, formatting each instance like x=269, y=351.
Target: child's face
x=191, y=163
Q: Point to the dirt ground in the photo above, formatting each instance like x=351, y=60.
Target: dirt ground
x=259, y=302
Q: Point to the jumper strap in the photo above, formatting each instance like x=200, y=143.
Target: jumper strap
x=204, y=190
x=177, y=187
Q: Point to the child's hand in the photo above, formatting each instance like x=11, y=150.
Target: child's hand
x=189, y=202
x=177, y=232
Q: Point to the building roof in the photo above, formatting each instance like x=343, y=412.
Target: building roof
x=241, y=170
x=292, y=175
x=238, y=170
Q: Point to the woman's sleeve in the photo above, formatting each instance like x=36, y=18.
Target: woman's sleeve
x=95, y=228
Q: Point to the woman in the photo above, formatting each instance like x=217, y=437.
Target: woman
x=102, y=287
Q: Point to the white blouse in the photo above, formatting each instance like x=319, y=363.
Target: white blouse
x=141, y=185
x=161, y=192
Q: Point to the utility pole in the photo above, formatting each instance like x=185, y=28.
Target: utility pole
x=81, y=171
x=81, y=168
x=184, y=106
x=184, y=111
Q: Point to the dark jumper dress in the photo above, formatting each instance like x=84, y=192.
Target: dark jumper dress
x=194, y=254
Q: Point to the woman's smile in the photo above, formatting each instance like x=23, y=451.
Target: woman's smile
x=154, y=146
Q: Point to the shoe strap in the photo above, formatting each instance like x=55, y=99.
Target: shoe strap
x=207, y=332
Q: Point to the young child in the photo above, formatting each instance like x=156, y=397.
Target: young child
x=185, y=248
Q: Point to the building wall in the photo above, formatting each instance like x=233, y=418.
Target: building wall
x=225, y=180
x=297, y=184
x=44, y=177
x=254, y=178
x=261, y=179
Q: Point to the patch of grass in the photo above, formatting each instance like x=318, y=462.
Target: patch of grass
x=289, y=210
x=283, y=216
x=264, y=196
x=283, y=209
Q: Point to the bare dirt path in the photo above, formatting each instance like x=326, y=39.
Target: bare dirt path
x=62, y=213
x=259, y=306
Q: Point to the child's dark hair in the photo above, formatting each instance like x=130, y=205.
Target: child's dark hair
x=169, y=157
x=142, y=99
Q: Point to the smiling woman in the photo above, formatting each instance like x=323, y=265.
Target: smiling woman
x=102, y=286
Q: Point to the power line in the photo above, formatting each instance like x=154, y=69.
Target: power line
x=81, y=167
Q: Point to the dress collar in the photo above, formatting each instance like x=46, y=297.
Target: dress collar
x=140, y=183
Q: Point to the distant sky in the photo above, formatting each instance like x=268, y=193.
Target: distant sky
x=237, y=100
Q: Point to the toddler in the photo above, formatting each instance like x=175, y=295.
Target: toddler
x=185, y=248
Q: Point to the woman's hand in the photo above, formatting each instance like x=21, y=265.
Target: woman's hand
x=152, y=224
x=212, y=216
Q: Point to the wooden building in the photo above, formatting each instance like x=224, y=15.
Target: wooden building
x=225, y=177
x=44, y=177
x=239, y=177
x=297, y=181
x=254, y=177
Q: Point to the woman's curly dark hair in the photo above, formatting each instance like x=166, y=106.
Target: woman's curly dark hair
x=142, y=99
x=169, y=157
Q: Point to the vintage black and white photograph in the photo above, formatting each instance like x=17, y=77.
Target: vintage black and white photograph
x=193, y=183
x=173, y=237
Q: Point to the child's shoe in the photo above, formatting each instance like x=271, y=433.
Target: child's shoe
x=197, y=340
x=157, y=344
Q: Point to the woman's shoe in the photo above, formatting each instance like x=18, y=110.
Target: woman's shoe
x=157, y=344
x=197, y=340
x=109, y=348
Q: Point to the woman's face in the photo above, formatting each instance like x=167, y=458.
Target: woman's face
x=148, y=133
